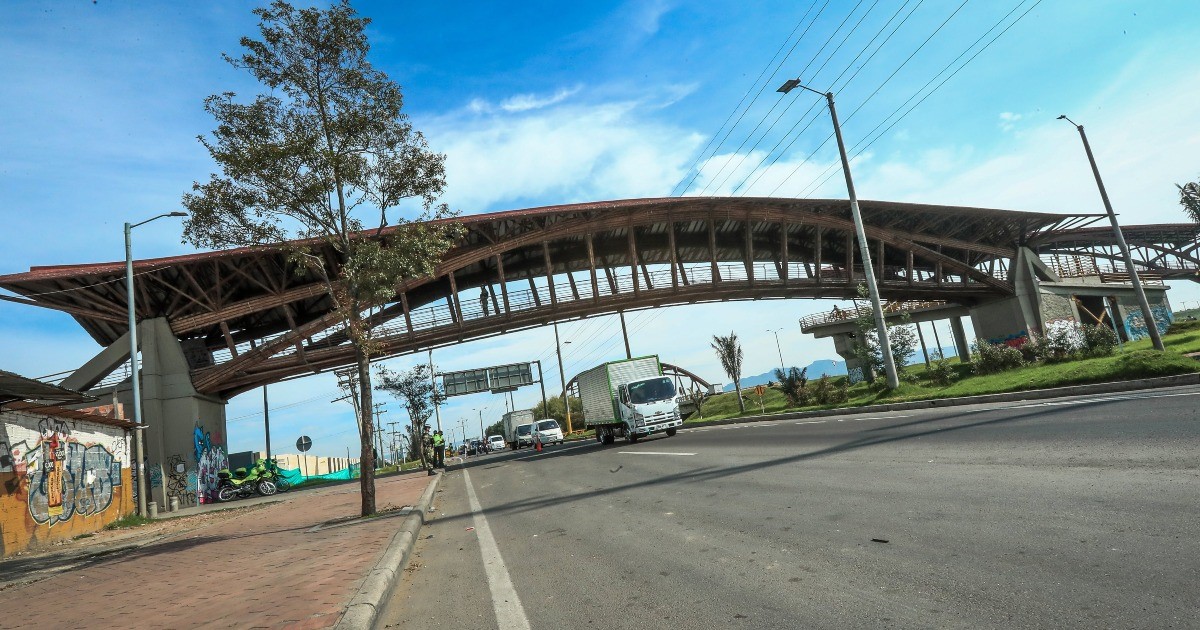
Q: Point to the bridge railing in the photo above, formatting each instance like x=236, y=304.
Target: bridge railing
x=619, y=283
x=849, y=314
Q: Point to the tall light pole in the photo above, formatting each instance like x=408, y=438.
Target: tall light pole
x=885, y=345
x=133, y=360
x=778, y=348
x=1147, y=314
x=561, y=377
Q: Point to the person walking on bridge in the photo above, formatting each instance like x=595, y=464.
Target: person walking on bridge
x=439, y=449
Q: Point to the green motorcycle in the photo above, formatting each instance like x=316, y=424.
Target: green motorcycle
x=242, y=483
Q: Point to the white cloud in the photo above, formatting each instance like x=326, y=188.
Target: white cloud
x=1008, y=120
x=526, y=102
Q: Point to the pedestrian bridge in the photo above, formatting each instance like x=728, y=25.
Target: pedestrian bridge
x=245, y=317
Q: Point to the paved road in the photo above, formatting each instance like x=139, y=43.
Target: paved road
x=1076, y=513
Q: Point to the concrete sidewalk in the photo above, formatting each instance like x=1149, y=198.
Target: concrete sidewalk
x=265, y=568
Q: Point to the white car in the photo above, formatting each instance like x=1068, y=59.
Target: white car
x=496, y=442
x=549, y=432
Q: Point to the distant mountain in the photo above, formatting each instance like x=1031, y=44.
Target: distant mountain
x=824, y=366
x=815, y=370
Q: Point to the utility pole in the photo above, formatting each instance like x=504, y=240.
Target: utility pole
x=885, y=344
x=267, y=421
x=393, y=425
x=436, y=413
x=379, y=411
x=625, y=335
x=562, y=375
x=1147, y=314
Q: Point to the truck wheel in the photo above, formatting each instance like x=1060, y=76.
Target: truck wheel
x=670, y=432
x=632, y=437
x=609, y=438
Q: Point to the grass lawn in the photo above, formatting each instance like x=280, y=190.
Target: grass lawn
x=1136, y=361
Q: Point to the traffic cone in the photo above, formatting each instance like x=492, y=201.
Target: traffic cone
x=537, y=444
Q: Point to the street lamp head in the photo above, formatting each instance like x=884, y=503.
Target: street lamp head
x=1064, y=117
x=788, y=86
x=177, y=214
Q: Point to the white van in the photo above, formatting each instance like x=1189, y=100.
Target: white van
x=496, y=442
x=549, y=432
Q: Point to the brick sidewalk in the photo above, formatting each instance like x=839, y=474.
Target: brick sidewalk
x=261, y=569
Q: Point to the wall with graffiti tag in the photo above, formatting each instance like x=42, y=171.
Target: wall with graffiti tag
x=59, y=477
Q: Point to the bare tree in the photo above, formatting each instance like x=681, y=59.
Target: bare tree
x=729, y=351
x=325, y=144
x=420, y=395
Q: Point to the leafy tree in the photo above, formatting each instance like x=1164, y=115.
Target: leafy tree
x=419, y=394
x=904, y=342
x=1189, y=198
x=555, y=409
x=325, y=144
x=729, y=351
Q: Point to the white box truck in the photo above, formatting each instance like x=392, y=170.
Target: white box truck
x=518, y=428
x=629, y=398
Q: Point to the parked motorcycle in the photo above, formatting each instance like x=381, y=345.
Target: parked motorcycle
x=275, y=474
x=242, y=483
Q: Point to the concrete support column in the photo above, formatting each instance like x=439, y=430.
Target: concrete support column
x=960, y=339
x=843, y=343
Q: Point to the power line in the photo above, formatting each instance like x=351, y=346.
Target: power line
x=761, y=88
x=778, y=101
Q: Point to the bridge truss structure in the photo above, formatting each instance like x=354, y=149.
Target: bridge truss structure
x=245, y=317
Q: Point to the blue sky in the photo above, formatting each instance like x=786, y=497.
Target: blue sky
x=545, y=103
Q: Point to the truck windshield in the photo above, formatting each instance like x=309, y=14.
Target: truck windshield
x=652, y=390
x=524, y=429
x=547, y=425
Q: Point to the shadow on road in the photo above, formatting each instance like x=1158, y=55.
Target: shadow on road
x=870, y=437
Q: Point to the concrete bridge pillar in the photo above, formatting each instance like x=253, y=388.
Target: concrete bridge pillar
x=185, y=439
x=843, y=343
x=960, y=339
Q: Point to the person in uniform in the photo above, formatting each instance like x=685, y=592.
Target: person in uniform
x=427, y=450
x=439, y=448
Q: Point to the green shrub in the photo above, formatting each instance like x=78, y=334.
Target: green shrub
x=826, y=392
x=940, y=372
x=1098, y=341
x=990, y=358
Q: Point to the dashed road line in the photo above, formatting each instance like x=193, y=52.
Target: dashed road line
x=651, y=453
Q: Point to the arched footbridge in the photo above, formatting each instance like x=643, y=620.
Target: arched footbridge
x=245, y=317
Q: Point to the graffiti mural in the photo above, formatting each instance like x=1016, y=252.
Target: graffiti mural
x=177, y=482
x=68, y=478
x=1135, y=324
x=1015, y=340
x=210, y=459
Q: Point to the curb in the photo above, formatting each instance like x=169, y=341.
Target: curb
x=364, y=606
x=1032, y=394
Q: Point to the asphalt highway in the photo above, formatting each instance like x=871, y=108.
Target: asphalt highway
x=1073, y=513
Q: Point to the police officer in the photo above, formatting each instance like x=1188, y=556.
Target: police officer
x=428, y=451
x=439, y=448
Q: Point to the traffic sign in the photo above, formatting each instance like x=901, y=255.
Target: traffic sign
x=304, y=443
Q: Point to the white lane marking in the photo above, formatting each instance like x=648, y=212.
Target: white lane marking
x=812, y=422
x=510, y=615
x=650, y=453
x=872, y=418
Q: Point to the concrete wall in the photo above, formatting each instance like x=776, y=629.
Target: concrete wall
x=59, y=477
x=312, y=465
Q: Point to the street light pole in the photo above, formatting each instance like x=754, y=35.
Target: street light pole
x=778, y=348
x=1147, y=314
x=885, y=344
x=133, y=361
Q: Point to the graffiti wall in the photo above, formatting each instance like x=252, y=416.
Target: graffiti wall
x=59, y=478
x=1135, y=322
x=211, y=459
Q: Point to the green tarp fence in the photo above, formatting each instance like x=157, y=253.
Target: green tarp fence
x=295, y=476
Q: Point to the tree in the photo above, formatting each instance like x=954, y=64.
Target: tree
x=299, y=164
x=729, y=351
x=904, y=342
x=559, y=412
x=419, y=393
x=1189, y=198
x=794, y=385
